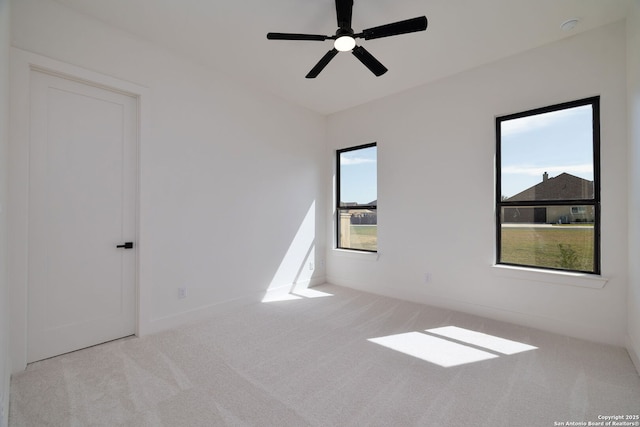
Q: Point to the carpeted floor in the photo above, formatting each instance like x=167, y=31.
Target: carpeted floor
x=345, y=359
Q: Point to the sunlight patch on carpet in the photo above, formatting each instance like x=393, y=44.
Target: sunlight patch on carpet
x=433, y=349
x=296, y=294
x=311, y=293
x=490, y=342
x=451, y=345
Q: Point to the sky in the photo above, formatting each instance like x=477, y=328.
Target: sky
x=555, y=142
x=358, y=175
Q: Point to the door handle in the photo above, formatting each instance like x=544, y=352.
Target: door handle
x=126, y=245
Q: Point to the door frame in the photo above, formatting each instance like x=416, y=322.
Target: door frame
x=23, y=63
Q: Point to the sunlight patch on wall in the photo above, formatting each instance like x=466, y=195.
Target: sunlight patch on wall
x=453, y=346
x=297, y=266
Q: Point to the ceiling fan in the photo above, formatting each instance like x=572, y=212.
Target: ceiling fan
x=345, y=38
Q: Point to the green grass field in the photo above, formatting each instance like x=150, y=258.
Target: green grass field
x=364, y=237
x=564, y=247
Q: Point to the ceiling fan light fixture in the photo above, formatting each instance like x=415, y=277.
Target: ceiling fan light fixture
x=344, y=43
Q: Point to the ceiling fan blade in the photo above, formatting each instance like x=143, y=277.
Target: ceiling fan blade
x=402, y=27
x=322, y=63
x=344, y=10
x=293, y=36
x=369, y=61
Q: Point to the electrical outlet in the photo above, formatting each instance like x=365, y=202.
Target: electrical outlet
x=182, y=293
x=427, y=277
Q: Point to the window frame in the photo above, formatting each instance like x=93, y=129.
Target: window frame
x=595, y=201
x=338, y=196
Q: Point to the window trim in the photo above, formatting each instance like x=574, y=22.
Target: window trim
x=595, y=201
x=359, y=207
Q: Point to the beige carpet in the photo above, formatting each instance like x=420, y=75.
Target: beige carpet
x=348, y=359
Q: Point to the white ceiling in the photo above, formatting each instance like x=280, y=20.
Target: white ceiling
x=230, y=36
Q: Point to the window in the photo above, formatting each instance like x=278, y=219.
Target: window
x=548, y=187
x=357, y=198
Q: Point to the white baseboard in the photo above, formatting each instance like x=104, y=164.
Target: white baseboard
x=200, y=313
x=553, y=325
x=222, y=307
x=633, y=348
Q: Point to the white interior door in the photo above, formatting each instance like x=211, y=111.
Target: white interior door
x=82, y=204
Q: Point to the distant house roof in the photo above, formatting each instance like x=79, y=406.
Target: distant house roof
x=562, y=187
x=351, y=204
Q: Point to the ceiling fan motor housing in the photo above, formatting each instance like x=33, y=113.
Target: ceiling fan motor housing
x=343, y=32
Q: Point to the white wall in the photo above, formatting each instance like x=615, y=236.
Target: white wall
x=633, y=81
x=230, y=177
x=4, y=141
x=436, y=148
x=233, y=192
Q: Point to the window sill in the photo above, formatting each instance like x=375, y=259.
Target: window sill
x=361, y=255
x=581, y=280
